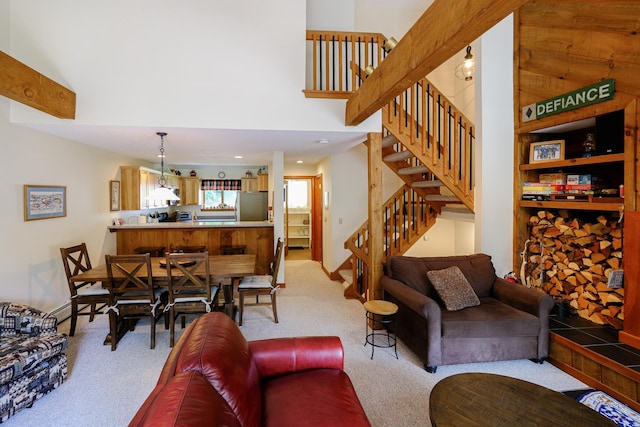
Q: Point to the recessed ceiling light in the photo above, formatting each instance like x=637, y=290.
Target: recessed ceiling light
x=299, y=161
x=323, y=141
x=237, y=157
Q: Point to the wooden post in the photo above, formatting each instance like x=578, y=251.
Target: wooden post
x=375, y=214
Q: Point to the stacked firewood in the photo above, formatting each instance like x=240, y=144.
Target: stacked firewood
x=572, y=260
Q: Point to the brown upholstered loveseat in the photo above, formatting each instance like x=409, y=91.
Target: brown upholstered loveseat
x=511, y=321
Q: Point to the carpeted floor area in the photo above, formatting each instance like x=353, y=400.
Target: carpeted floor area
x=106, y=388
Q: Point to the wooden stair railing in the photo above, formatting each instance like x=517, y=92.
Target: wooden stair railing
x=407, y=216
x=426, y=124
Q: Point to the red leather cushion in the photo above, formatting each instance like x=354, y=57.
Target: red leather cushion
x=280, y=356
x=217, y=349
x=322, y=397
x=188, y=400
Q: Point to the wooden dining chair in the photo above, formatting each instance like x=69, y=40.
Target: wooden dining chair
x=131, y=294
x=190, y=288
x=75, y=260
x=262, y=285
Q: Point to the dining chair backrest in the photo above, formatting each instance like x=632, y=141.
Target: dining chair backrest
x=75, y=260
x=275, y=265
x=188, y=273
x=130, y=276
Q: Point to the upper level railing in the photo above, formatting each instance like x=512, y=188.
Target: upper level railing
x=338, y=61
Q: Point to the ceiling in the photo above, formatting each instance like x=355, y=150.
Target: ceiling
x=200, y=147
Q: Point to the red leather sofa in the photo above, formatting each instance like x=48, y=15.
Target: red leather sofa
x=214, y=377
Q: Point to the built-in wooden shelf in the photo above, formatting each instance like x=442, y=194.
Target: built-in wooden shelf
x=593, y=160
x=613, y=206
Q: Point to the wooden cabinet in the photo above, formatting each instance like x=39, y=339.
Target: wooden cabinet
x=263, y=182
x=190, y=191
x=250, y=185
x=136, y=184
x=299, y=229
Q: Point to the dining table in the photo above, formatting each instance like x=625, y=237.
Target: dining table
x=225, y=269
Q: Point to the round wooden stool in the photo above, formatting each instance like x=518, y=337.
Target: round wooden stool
x=381, y=315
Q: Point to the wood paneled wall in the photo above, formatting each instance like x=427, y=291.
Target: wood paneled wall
x=257, y=240
x=565, y=45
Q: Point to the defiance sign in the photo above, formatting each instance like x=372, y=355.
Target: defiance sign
x=593, y=94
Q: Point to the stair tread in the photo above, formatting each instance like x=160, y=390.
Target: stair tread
x=400, y=155
x=427, y=184
x=389, y=140
x=413, y=169
x=442, y=198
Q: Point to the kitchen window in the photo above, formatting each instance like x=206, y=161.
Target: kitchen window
x=219, y=194
x=219, y=199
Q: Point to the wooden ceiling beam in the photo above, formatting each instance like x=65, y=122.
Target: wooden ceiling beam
x=442, y=31
x=22, y=83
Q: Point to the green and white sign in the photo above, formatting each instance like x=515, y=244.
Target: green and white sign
x=598, y=92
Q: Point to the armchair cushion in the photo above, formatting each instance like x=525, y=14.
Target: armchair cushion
x=20, y=319
x=453, y=288
x=491, y=318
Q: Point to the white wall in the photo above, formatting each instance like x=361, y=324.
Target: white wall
x=495, y=124
x=202, y=61
x=30, y=251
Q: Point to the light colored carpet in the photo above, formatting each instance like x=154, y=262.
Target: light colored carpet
x=106, y=388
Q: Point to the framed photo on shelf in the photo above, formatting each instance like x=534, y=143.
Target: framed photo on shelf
x=114, y=195
x=546, y=151
x=44, y=201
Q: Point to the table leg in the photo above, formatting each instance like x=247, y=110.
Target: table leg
x=229, y=302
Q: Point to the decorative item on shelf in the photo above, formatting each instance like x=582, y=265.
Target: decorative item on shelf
x=589, y=146
x=193, y=173
x=546, y=151
x=467, y=69
x=248, y=174
x=176, y=172
x=162, y=192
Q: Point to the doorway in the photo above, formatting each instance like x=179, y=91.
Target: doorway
x=303, y=232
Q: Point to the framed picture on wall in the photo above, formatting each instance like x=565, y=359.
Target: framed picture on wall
x=44, y=201
x=114, y=195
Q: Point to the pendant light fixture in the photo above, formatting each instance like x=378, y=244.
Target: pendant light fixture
x=467, y=69
x=162, y=192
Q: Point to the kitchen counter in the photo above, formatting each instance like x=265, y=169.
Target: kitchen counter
x=193, y=224
x=255, y=237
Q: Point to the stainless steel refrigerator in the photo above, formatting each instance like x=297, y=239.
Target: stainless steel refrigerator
x=252, y=206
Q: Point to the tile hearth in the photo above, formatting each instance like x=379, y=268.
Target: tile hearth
x=600, y=339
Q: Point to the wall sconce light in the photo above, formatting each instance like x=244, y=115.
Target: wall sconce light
x=389, y=44
x=467, y=69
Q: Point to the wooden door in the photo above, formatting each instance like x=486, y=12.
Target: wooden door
x=317, y=213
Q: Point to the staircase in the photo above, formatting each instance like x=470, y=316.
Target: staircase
x=427, y=142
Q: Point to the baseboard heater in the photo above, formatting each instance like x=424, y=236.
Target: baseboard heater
x=62, y=313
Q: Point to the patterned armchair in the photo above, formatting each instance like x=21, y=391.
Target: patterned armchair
x=32, y=362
